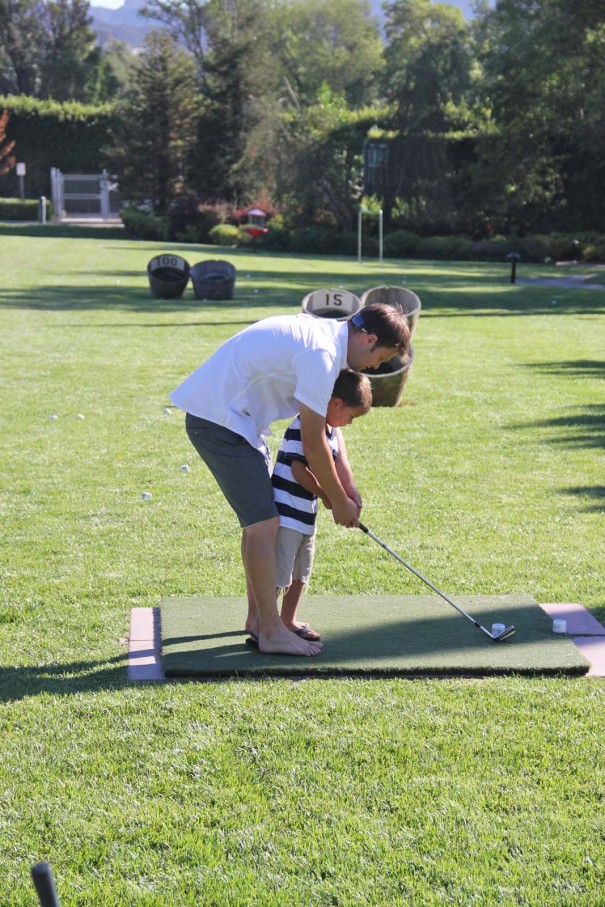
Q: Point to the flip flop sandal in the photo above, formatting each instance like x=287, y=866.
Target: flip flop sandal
x=307, y=633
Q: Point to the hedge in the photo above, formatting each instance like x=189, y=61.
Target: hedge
x=23, y=209
x=70, y=136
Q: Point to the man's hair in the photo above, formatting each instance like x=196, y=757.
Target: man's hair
x=387, y=322
x=353, y=388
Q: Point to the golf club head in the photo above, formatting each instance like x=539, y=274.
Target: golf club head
x=500, y=637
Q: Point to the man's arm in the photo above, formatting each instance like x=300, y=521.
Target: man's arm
x=321, y=463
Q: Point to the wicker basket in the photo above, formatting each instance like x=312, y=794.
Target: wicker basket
x=400, y=297
x=389, y=380
x=213, y=279
x=168, y=276
x=339, y=304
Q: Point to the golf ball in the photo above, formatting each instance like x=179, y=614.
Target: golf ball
x=184, y=468
x=146, y=495
x=79, y=416
x=53, y=418
x=559, y=626
x=497, y=629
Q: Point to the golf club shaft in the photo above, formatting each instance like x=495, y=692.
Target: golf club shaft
x=419, y=575
x=44, y=884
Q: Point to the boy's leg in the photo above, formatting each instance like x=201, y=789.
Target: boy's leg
x=299, y=578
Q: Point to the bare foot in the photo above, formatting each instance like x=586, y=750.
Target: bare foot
x=283, y=642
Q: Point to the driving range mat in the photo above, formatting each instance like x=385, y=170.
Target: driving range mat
x=370, y=635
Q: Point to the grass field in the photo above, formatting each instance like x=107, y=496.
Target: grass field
x=489, y=479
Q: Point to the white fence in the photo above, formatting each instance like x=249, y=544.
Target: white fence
x=82, y=195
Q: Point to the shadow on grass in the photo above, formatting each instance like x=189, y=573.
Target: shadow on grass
x=584, y=428
x=594, y=492
x=67, y=679
x=574, y=368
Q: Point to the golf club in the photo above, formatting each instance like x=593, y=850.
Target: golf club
x=498, y=637
x=44, y=884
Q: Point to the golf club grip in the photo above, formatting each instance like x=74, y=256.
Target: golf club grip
x=45, y=885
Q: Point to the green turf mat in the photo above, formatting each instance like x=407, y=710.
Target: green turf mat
x=370, y=635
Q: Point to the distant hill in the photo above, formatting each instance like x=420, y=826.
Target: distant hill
x=122, y=24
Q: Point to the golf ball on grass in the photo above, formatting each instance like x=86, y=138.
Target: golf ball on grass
x=147, y=496
x=559, y=626
x=497, y=629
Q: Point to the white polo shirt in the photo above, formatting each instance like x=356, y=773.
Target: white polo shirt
x=265, y=372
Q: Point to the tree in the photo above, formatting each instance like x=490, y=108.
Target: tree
x=429, y=65
x=545, y=85
x=328, y=42
x=47, y=50
x=159, y=124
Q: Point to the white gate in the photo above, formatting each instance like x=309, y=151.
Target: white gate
x=84, y=195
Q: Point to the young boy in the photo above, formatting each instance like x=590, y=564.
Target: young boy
x=297, y=490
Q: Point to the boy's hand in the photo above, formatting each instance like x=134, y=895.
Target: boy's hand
x=345, y=513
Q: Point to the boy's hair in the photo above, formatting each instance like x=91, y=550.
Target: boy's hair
x=386, y=321
x=353, y=388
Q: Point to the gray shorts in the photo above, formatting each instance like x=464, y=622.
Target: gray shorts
x=242, y=472
x=294, y=557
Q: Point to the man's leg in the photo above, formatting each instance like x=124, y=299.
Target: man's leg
x=258, y=553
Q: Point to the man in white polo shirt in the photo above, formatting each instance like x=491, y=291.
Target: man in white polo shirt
x=272, y=370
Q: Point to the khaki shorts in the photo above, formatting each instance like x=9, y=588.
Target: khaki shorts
x=294, y=557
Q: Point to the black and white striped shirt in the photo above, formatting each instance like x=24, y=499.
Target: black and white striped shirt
x=297, y=508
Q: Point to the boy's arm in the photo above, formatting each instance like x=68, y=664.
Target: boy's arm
x=305, y=478
x=318, y=455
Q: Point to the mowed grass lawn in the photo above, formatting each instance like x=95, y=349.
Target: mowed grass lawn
x=489, y=479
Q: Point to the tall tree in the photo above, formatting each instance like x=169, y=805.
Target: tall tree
x=70, y=62
x=22, y=45
x=47, y=49
x=159, y=124
x=545, y=84
x=429, y=64
x=328, y=42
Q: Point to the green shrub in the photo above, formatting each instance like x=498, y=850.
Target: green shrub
x=227, y=235
x=594, y=250
x=400, y=243
x=448, y=248
x=145, y=225
x=23, y=209
x=536, y=248
x=68, y=135
x=192, y=219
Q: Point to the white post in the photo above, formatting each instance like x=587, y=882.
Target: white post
x=359, y=234
x=42, y=209
x=104, y=189
x=380, y=236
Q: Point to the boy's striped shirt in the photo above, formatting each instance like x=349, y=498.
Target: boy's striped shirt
x=297, y=508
